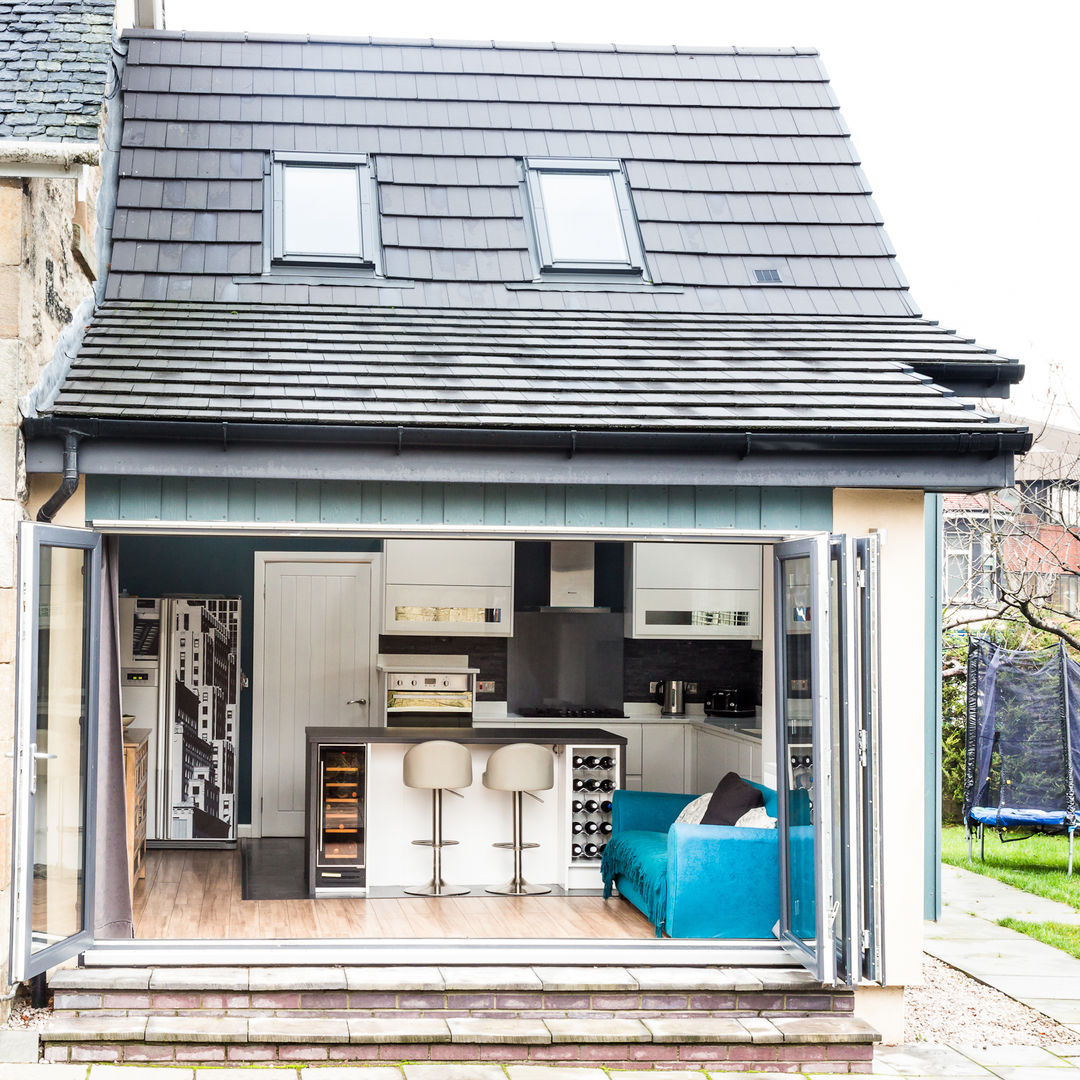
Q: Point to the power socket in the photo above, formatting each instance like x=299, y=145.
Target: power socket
x=690, y=688
x=654, y=687
x=485, y=687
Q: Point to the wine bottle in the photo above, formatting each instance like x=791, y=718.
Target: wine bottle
x=575, y=851
x=592, y=761
x=578, y=783
x=591, y=827
x=604, y=785
x=605, y=826
x=578, y=761
x=605, y=806
x=607, y=762
x=577, y=826
x=590, y=783
x=591, y=851
x=591, y=806
x=578, y=806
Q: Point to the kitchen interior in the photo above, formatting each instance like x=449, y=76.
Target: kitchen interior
x=635, y=665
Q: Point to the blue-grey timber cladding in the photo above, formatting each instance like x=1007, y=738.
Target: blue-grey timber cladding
x=179, y=499
x=54, y=65
x=736, y=159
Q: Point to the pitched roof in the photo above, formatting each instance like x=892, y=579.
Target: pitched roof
x=493, y=368
x=54, y=66
x=736, y=159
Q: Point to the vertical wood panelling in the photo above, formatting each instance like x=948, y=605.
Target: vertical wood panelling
x=343, y=502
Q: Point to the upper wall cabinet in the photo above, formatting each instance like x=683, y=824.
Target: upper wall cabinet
x=693, y=591
x=449, y=587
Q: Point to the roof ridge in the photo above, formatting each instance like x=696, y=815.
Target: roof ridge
x=465, y=43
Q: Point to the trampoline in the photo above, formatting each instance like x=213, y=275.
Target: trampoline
x=1022, y=754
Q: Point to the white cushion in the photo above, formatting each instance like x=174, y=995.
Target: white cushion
x=756, y=818
x=693, y=812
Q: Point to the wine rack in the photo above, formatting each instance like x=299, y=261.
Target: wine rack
x=336, y=848
x=593, y=775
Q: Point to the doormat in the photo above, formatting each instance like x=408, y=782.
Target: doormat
x=272, y=868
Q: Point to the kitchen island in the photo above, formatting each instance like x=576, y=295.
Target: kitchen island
x=362, y=819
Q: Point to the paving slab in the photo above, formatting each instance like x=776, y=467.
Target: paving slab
x=100, y=978
x=512, y=1032
x=348, y=1072
x=389, y=979
x=1033, y=1072
x=696, y=1029
x=208, y=978
x=141, y=1072
x=835, y=1029
x=225, y=1073
x=928, y=1059
x=761, y=1030
x=560, y=979
x=490, y=978
x=992, y=1056
x=265, y=979
x=18, y=1046
x=659, y=978
x=95, y=1029
x=45, y=1071
x=196, y=1029
x=309, y=1029
x=580, y=1030
x=447, y=1071
x=993, y=900
x=378, y=1030
x=563, y=1072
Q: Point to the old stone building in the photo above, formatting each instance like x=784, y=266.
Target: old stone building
x=56, y=70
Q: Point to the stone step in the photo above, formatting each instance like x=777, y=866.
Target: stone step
x=442, y=992
x=817, y=1044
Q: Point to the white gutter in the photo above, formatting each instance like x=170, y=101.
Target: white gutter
x=34, y=157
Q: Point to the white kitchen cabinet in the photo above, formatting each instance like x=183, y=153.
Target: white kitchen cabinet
x=694, y=591
x=718, y=751
x=665, y=756
x=449, y=587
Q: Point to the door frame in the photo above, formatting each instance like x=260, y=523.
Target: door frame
x=32, y=536
x=264, y=559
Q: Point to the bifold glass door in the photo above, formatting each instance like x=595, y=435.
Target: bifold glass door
x=827, y=786
x=55, y=746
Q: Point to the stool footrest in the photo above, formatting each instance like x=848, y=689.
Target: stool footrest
x=509, y=845
x=432, y=843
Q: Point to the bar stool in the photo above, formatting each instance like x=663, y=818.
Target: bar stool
x=521, y=769
x=441, y=766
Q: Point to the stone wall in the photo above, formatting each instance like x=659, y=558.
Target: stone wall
x=42, y=283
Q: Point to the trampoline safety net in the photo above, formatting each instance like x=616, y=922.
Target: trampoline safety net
x=1022, y=752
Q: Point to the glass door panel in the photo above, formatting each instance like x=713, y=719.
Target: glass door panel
x=55, y=745
x=804, y=759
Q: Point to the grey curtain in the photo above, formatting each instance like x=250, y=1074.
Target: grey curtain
x=112, y=884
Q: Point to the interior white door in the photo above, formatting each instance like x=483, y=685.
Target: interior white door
x=316, y=662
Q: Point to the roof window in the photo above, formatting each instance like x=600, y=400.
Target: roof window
x=323, y=209
x=767, y=276
x=583, y=217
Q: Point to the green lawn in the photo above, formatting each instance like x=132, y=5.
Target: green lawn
x=1060, y=936
x=1036, y=865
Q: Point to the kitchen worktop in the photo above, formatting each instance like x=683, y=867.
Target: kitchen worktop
x=480, y=735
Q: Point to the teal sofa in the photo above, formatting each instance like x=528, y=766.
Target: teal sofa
x=692, y=881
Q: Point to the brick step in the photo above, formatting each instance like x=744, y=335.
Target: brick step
x=780, y=1044
x=442, y=993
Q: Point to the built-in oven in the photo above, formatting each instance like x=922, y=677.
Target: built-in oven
x=430, y=698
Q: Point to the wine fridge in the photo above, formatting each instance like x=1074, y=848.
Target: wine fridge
x=335, y=835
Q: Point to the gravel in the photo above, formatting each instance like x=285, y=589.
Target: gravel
x=955, y=1009
x=24, y=1017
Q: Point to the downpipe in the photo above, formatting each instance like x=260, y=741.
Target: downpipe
x=68, y=484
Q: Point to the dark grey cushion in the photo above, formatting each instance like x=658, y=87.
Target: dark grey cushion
x=731, y=799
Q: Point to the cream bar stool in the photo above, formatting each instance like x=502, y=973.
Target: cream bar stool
x=441, y=766
x=521, y=769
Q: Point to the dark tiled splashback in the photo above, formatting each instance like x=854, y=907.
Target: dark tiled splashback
x=713, y=665
x=486, y=653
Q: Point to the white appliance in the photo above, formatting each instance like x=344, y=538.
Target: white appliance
x=189, y=647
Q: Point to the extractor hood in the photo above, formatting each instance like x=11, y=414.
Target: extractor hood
x=572, y=580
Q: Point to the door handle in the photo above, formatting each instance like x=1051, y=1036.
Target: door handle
x=357, y=701
x=45, y=757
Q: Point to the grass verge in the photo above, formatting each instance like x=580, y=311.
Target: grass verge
x=1060, y=936
x=1037, y=865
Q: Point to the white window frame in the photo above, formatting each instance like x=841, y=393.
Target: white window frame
x=633, y=267
x=363, y=167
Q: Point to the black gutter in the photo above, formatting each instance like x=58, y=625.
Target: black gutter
x=950, y=371
x=988, y=443
x=70, y=482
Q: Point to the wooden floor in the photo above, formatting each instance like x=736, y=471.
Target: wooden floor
x=196, y=894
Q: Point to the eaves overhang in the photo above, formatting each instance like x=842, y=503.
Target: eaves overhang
x=930, y=460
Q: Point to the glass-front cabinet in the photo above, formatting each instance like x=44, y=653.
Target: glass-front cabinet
x=335, y=836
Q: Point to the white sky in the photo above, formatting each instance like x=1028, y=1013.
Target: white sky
x=966, y=116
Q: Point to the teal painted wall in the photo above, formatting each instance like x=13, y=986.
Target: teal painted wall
x=141, y=498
